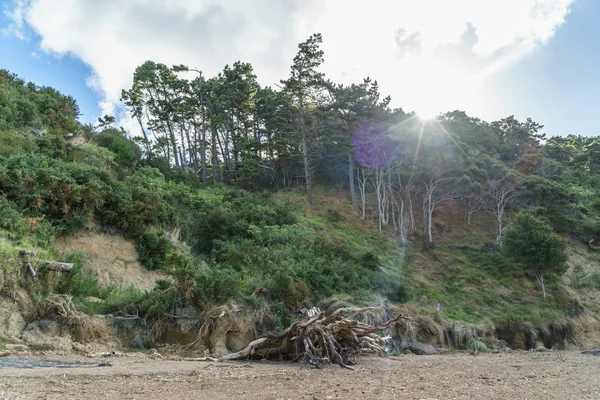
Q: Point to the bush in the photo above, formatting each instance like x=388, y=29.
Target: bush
x=478, y=345
x=536, y=247
x=126, y=151
x=153, y=249
x=12, y=142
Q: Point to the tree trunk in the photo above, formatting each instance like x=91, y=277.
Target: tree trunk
x=215, y=158
x=203, y=141
x=173, y=142
x=540, y=279
x=352, y=183
x=146, y=141
x=56, y=266
x=499, y=231
x=362, y=182
x=305, y=152
x=188, y=153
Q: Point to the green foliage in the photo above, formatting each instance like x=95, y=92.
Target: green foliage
x=24, y=104
x=534, y=245
x=245, y=246
x=153, y=249
x=478, y=345
x=126, y=151
x=64, y=193
x=80, y=282
x=12, y=142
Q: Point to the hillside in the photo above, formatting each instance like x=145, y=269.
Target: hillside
x=220, y=227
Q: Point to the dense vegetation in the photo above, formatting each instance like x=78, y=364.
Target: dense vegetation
x=193, y=190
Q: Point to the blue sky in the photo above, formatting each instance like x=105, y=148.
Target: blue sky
x=556, y=82
x=558, y=85
x=64, y=73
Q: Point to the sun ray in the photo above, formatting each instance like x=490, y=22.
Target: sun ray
x=449, y=135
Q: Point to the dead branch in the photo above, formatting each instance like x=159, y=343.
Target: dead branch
x=318, y=339
x=56, y=266
x=43, y=264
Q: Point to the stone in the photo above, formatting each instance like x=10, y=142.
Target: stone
x=12, y=322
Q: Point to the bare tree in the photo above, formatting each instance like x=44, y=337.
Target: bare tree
x=501, y=191
x=362, y=184
x=433, y=197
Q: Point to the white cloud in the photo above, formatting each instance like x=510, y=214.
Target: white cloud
x=16, y=18
x=427, y=54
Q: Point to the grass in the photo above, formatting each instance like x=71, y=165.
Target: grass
x=472, y=287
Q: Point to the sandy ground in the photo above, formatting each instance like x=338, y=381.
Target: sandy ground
x=514, y=375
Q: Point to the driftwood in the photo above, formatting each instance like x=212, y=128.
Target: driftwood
x=42, y=264
x=319, y=339
x=25, y=255
x=55, y=266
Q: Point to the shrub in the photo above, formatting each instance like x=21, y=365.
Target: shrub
x=536, y=247
x=153, y=249
x=478, y=345
x=126, y=151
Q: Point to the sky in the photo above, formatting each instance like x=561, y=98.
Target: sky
x=490, y=58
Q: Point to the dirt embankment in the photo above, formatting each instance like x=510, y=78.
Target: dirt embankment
x=112, y=258
x=511, y=375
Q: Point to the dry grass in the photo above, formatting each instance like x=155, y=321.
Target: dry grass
x=84, y=328
x=112, y=258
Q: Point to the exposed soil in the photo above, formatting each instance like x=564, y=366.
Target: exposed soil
x=511, y=375
x=112, y=258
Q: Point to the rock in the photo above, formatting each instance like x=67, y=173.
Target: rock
x=140, y=341
x=12, y=322
x=231, y=333
x=48, y=334
x=412, y=347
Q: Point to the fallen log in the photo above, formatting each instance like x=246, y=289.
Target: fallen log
x=55, y=266
x=320, y=339
x=43, y=264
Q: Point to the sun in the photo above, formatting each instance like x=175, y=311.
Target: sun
x=427, y=113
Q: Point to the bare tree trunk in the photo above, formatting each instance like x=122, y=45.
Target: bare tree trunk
x=305, y=151
x=352, y=180
x=189, y=143
x=502, y=192
x=225, y=150
x=215, y=158
x=499, y=231
x=540, y=278
x=362, y=181
x=173, y=142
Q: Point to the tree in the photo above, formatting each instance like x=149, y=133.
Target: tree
x=535, y=246
x=501, y=191
x=106, y=121
x=354, y=105
x=304, y=78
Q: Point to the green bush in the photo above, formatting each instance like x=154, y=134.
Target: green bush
x=153, y=249
x=478, y=345
x=12, y=142
x=126, y=151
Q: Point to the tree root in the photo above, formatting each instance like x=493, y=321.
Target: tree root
x=320, y=339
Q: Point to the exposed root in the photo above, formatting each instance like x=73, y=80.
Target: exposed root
x=84, y=328
x=319, y=339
